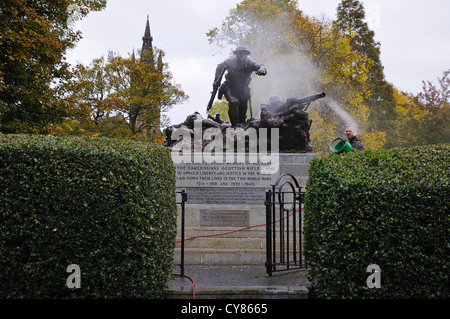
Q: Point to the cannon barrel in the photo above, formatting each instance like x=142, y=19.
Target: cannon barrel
x=310, y=98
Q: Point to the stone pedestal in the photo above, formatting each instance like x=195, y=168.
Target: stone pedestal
x=224, y=198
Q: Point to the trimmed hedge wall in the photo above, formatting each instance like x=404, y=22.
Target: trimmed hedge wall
x=383, y=207
x=105, y=205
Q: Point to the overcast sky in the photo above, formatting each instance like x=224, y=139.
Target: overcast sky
x=414, y=37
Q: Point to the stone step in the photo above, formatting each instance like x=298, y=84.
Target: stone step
x=225, y=243
x=242, y=247
x=196, y=234
x=228, y=243
x=255, y=232
x=208, y=256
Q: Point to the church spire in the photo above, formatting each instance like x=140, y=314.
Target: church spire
x=147, y=39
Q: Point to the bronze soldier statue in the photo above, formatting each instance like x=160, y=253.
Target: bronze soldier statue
x=236, y=86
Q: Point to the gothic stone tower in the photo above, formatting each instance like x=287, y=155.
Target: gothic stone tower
x=147, y=56
x=147, y=44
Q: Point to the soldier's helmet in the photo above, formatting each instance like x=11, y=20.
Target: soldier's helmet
x=275, y=100
x=241, y=50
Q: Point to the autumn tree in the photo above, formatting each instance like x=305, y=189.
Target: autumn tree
x=90, y=88
x=34, y=37
x=423, y=118
x=435, y=102
x=143, y=91
x=379, y=93
x=122, y=97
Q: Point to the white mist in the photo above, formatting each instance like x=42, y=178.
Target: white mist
x=344, y=115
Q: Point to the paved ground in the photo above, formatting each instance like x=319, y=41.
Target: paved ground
x=209, y=276
x=239, y=282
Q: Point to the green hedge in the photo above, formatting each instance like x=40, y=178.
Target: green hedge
x=383, y=207
x=107, y=206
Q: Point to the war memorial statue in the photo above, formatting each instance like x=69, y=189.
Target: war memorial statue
x=236, y=86
x=225, y=168
x=290, y=117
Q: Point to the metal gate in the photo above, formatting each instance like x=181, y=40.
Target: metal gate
x=181, y=200
x=284, y=248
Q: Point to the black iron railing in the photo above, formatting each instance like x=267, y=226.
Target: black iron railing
x=284, y=248
x=181, y=200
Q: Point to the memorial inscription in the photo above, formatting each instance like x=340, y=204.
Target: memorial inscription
x=226, y=195
x=224, y=218
x=223, y=175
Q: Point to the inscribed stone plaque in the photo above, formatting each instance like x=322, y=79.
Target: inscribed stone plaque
x=224, y=218
x=224, y=175
x=234, y=196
